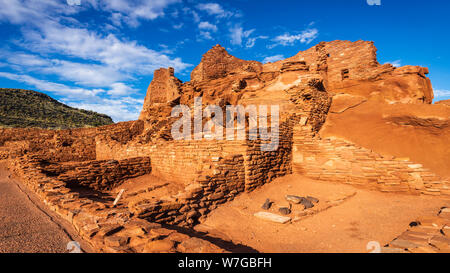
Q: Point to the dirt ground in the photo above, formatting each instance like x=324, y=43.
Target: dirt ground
x=348, y=227
x=147, y=187
x=27, y=225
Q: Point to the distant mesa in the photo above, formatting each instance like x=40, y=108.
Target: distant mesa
x=27, y=108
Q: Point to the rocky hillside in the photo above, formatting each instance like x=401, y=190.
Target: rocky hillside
x=26, y=108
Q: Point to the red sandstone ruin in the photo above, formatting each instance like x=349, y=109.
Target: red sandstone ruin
x=344, y=118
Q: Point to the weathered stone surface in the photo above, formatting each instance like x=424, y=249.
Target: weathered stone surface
x=294, y=199
x=164, y=88
x=284, y=210
x=272, y=217
x=267, y=204
x=196, y=245
x=205, y=174
x=116, y=241
x=312, y=199
x=218, y=63
x=162, y=246
x=444, y=102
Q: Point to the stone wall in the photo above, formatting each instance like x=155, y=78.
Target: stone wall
x=180, y=161
x=97, y=175
x=352, y=68
x=220, y=184
x=341, y=161
x=164, y=88
x=262, y=167
x=183, y=161
x=121, y=132
x=107, y=228
x=57, y=145
x=213, y=172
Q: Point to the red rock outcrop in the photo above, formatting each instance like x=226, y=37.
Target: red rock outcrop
x=352, y=68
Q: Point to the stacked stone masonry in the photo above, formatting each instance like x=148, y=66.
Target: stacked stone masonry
x=105, y=227
x=340, y=161
x=62, y=165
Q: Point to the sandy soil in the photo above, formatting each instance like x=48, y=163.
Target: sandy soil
x=349, y=227
x=147, y=187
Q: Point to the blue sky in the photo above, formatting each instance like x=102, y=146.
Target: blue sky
x=100, y=54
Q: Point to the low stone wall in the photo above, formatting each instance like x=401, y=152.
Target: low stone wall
x=180, y=161
x=121, y=132
x=341, y=161
x=220, y=184
x=184, y=161
x=57, y=145
x=98, y=175
x=106, y=228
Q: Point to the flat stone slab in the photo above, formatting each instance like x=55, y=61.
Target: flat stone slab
x=294, y=199
x=404, y=244
x=272, y=217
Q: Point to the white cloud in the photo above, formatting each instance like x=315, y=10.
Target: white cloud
x=74, y=2
x=196, y=17
x=214, y=9
x=86, y=74
x=274, y=58
x=85, y=44
x=131, y=12
x=122, y=11
x=396, y=63
x=441, y=94
x=91, y=69
x=305, y=37
x=178, y=26
x=118, y=109
x=207, y=26
x=252, y=40
x=238, y=34
x=110, y=58
x=120, y=89
x=32, y=11
x=56, y=88
x=205, y=35
x=24, y=59
x=93, y=75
